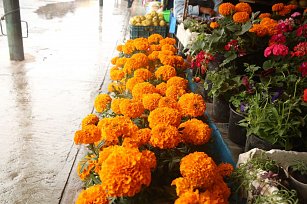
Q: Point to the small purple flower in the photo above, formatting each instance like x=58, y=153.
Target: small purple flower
x=242, y=107
x=276, y=95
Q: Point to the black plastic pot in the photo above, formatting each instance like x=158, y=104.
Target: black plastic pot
x=254, y=141
x=220, y=110
x=236, y=133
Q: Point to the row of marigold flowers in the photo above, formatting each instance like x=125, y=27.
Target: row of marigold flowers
x=148, y=105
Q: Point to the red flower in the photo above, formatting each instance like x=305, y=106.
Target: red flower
x=305, y=95
x=302, y=31
x=303, y=69
x=300, y=50
x=278, y=39
x=277, y=50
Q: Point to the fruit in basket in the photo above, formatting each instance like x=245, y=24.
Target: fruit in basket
x=151, y=19
x=162, y=23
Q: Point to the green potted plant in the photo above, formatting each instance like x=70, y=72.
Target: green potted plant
x=297, y=173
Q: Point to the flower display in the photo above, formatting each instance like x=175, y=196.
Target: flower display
x=168, y=102
x=101, y=102
x=165, y=72
x=117, y=75
x=177, y=82
x=132, y=82
x=115, y=105
x=167, y=41
x=129, y=47
x=264, y=15
x=120, y=62
x=168, y=116
x=240, y=17
x=243, y=7
x=174, y=92
x=131, y=108
x=141, y=44
x=195, y=132
x=143, y=88
x=161, y=88
x=142, y=73
x=226, y=9
x=89, y=134
x=191, y=104
x=154, y=38
x=168, y=47
x=94, y=194
x=164, y=136
x=151, y=101
x=90, y=119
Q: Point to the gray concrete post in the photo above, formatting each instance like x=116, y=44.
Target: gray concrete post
x=100, y=2
x=13, y=28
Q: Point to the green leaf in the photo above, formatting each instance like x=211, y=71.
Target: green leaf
x=245, y=28
x=267, y=64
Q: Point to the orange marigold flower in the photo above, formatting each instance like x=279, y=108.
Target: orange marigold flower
x=199, y=168
x=264, y=15
x=143, y=88
x=131, y=108
x=217, y=193
x=292, y=6
x=93, y=194
x=178, y=82
x=225, y=169
x=189, y=197
x=101, y=102
x=119, y=48
x=149, y=159
x=241, y=7
x=131, y=65
x=154, y=38
x=142, y=73
x=113, y=60
x=88, y=135
x=226, y=9
x=151, y=101
x=167, y=116
x=141, y=59
x=154, y=48
x=270, y=25
x=259, y=30
x=115, y=105
x=167, y=41
x=168, y=60
x=142, y=136
x=214, y=25
x=132, y=82
x=161, y=88
x=116, y=87
x=182, y=185
x=191, y=104
x=165, y=72
x=179, y=62
x=174, y=92
x=129, y=47
x=124, y=171
x=117, y=75
x=154, y=56
x=141, y=44
x=121, y=62
x=195, y=132
x=240, y=17
x=168, y=48
x=164, y=136
x=168, y=102
x=285, y=11
x=90, y=119
x=277, y=7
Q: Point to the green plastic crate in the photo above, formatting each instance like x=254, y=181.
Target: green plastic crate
x=146, y=31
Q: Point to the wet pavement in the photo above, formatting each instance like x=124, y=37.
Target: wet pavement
x=45, y=97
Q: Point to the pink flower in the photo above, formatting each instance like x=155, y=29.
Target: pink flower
x=280, y=50
x=302, y=31
x=268, y=51
x=295, y=14
x=286, y=25
x=303, y=69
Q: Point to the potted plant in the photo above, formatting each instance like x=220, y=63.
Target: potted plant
x=297, y=173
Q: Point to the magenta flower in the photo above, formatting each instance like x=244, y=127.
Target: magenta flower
x=303, y=69
x=295, y=14
x=277, y=50
x=278, y=39
x=268, y=51
x=302, y=31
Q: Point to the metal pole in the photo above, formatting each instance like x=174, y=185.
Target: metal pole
x=13, y=28
x=100, y=2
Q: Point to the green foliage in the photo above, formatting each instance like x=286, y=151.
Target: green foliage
x=300, y=166
x=195, y=25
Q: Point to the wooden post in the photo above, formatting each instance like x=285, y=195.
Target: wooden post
x=100, y=2
x=13, y=28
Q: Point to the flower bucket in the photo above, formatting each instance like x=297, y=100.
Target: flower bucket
x=254, y=141
x=236, y=133
x=220, y=110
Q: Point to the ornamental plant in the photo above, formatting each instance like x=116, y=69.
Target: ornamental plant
x=141, y=137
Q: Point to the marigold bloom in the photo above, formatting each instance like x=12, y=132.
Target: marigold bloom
x=142, y=73
x=161, y=88
x=226, y=9
x=174, y=92
x=168, y=60
x=121, y=62
x=277, y=7
x=124, y=171
x=131, y=108
x=154, y=48
x=119, y=48
x=259, y=30
x=240, y=17
x=93, y=194
x=132, y=82
x=154, y=38
x=178, y=82
x=90, y=119
x=113, y=60
x=164, y=136
x=264, y=15
x=199, y=168
x=101, y=102
x=168, y=48
x=168, y=116
x=214, y=25
x=151, y=101
x=270, y=25
x=142, y=136
x=141, y=44
x=131, y=65
x=191, y=104
x=243, y=7
x=182, y=185
x=88, y=135
x=117, y=75
x=141, y=59
x=143, y=88
x=195, y=132
x=154, y=56
x=167, y=41
x=149, y=159
x=115, y=105
x=217, y=193
x=129, y=47
x=225, y=169
x=189, y=197
x=168, y=102
x=165, y=72
x=285, y=11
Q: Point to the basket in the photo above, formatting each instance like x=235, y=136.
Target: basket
x=146, y=31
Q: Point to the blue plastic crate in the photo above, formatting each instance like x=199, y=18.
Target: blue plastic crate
x=146, y=31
